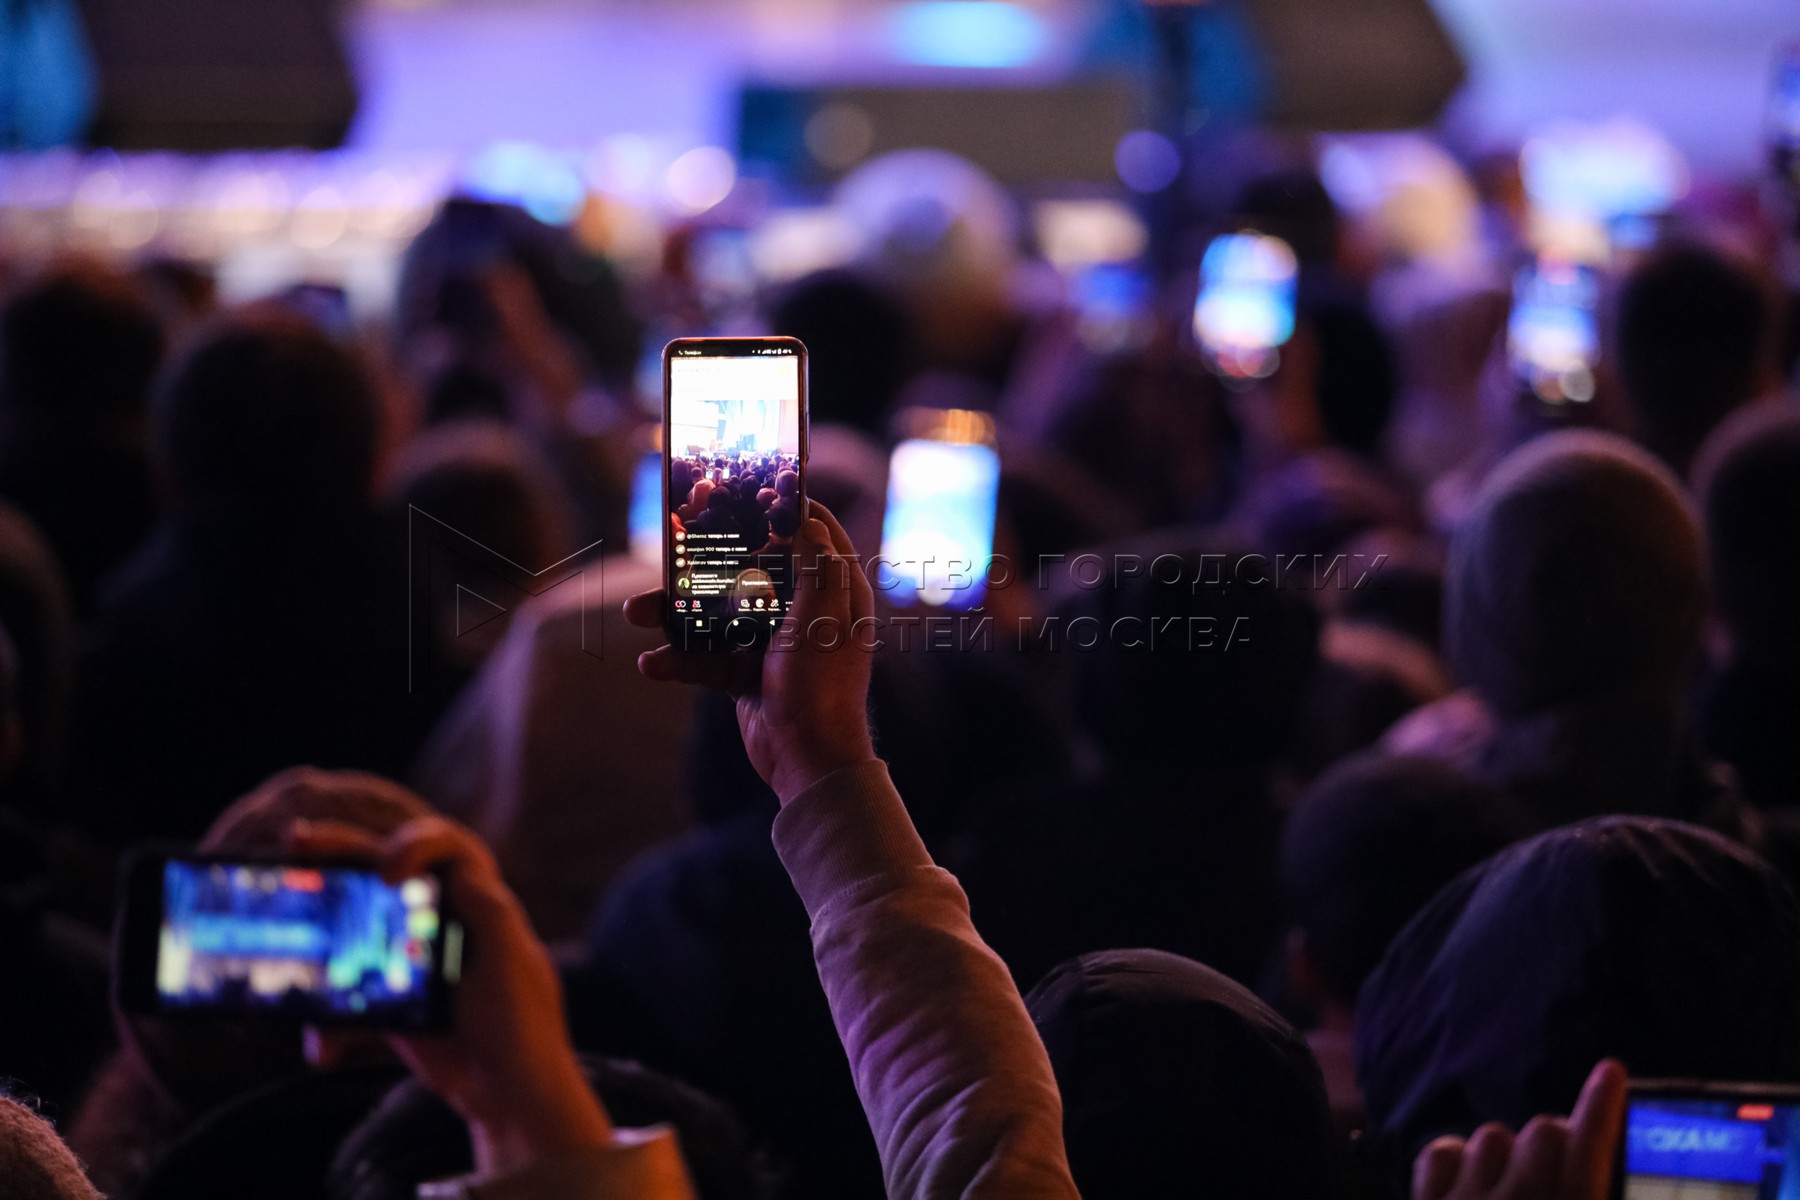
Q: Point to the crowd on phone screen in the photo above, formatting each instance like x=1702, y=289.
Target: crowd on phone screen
x=754, y=498
x=1489, y=780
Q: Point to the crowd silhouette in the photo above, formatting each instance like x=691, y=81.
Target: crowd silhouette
x=1481, y=792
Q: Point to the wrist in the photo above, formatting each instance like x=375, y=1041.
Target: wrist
x=562, y=1118
x=802, y=771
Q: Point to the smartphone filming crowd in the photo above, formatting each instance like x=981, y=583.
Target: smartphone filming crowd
x=1389, y=898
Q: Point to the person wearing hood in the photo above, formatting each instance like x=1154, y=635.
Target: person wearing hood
x=1654, y=942
x=1177, y=1081
x=1574, y=603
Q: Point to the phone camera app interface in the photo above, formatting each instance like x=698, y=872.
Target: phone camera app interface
x=734, y=483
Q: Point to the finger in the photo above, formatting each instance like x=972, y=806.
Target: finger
x=1436, y=1168
x=1594, y=1131
x=827, y=575
x=666, y=664
x=1485, y=1161
x=331, y=839
x=471, y=877
x=1537, y=1158
x=645, y=610
x=436, y=842
x=862, y=598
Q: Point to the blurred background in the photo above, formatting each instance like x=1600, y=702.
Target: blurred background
x=285, y=140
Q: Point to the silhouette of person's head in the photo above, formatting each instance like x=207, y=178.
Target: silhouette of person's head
x=267, y=416
x=1294, y=206
x=1696, y=332
x=1367, y=845
x=1577, y=574
x=858, y=341
x=1655, y=942
x=78, y=344
x=34, y=1162
x=1748, y=478
x=1177, y=1081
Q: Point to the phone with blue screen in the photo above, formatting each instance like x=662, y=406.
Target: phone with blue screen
x=1553, y=333
x=313, y=943
x=646, y=518
x=937, y=535
x=1244, y=310
x=1686, y=1140
x=1112, y=306
x=1784, y=120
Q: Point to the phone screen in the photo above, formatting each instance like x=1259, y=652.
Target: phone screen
x=1714, y=1145
x=1553, y=333
x=937, y=538
x=1784, y=116
x=1244, y=310
x=734, y=436
x=313, y=943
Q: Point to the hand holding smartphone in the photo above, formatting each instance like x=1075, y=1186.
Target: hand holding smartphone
x=803, y=707
x=734, y=478
x=1551, y=1158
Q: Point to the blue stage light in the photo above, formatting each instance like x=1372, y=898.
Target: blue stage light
x=967, y=33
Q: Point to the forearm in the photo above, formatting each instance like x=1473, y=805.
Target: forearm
x=956, y=1085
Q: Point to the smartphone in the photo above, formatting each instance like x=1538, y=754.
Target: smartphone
x=724, y=273
x=937, y=536
x=1244, y=310
x=1112, y=306
x=1784, y=118
x=1553, y=334
x=1709, y=1141
x=324, y=304
x=314, y=943
x=646, y=518
x=734, y=480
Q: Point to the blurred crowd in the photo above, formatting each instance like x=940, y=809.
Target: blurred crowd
x=1499, y=780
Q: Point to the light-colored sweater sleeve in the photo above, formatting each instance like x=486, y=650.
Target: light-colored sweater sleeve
x=640, y=1164
x=955, y=1082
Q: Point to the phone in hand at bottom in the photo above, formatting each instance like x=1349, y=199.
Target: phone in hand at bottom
x=1690, y=1140
x=312, y=943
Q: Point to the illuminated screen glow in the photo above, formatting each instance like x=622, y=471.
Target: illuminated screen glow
x=1710, y=1149
x=968, y=33
x=937, y=539
x=734, y=487
x=1245, y=306
x=646, y=508
x=1553, y=335
x=312, y=942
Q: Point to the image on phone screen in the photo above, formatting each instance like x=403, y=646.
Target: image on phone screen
x=1784, y=116
x=1244, y=310
x=1711, y=1147
x=734, y=432
x=937, y=537
x=313, y=943
x=1552, y=335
